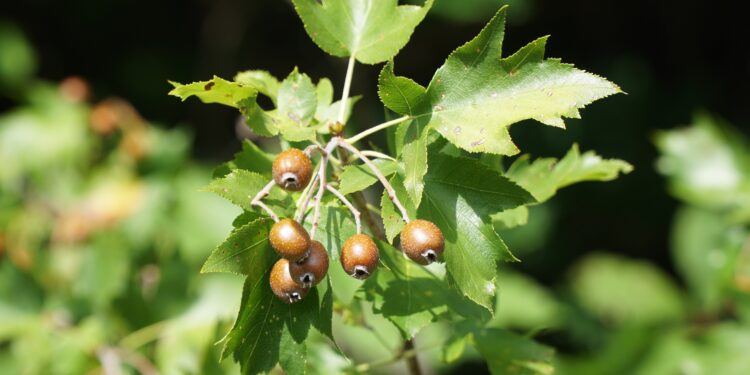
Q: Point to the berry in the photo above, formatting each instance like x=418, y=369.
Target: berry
x=359, y=256
x=311, y=270
x=290, y=239
x=283, y=285
x=292, y=169
x=422, y=241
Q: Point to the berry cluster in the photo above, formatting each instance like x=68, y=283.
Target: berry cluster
x=304, y=261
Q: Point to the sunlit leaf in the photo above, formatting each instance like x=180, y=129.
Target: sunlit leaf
x=371, y=30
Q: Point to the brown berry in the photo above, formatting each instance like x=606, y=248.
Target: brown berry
x=283, y=285
x=312, y=269
x=292, y=169
x=422, y=241
x=359, y=256
x=290, y=239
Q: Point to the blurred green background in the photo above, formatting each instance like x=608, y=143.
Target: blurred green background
x=623, y=277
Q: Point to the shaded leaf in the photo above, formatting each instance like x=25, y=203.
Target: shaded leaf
x=245, y=250
x=406, y=293
x=460, y=195
x=509, y=354
x=358, y=177
x=393, y=222
x=644, y=293
x=264, y=322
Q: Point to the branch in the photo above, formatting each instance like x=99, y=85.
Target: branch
x=304, y=199
x=348, y=204
x=256, y=201
x=379, y=175
x=322, y=186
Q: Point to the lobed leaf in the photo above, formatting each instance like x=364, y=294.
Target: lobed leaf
x=544, y=176
x=372, y=31
x=477, y=94
x=460, y=196
x=216, y=90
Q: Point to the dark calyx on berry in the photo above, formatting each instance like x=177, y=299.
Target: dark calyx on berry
x=310, y=270
x=292, y=169
x=283, y=285
x=359, y=256
x=290, y=239
x=422, y=241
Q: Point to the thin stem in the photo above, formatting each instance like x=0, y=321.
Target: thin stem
x=309, y=149
x=348, y=204
x=412, y=362
x=347, y=86
x=256, y=201
x=376, y=129
x=408, y=352
x=322, y=185
x=304, y=199
x=375, y=154
x=379, y=175
x=144, y=335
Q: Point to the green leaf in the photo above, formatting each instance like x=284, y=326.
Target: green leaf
x=406, y=293
x=104, y=270
x=399, y=94
x=253, y=159
x=476, y=95
x=240, y=186
x=644, y=293
x=262, y=80
x=216, y=90
x=705, y=247
x=524, y=303
x=393, y=222
x=263, y=123
x=358, y=177
x=507, y=353
x=336, y=226
x=297, y=103
x=264, y=322
x=373, y=31
x=708, y=164
x=330, y=114
x=544, y=176
x=244, y=252
x=511, y=218
x=414, y=157
x=460, y=195
x=324, y=94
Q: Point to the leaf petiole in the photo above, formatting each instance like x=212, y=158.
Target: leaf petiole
x=376, y=129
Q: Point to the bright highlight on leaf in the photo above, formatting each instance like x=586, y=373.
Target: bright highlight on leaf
x=477, y=94
x=372, y=31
